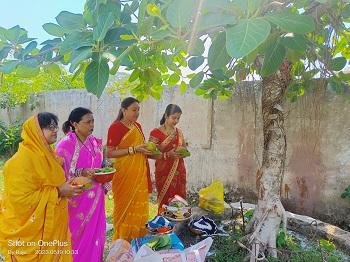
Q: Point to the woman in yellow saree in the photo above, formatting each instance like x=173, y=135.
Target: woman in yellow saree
x=34, y=215
x=131, y=184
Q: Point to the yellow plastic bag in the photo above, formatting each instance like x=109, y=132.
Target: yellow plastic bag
x=211, y=198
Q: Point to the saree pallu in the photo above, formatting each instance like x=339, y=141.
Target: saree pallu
x=130, y=189
x=87, y=219
x=33, y=219
x=170, y=173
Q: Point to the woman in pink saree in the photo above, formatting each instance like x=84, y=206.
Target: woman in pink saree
x=82, y=152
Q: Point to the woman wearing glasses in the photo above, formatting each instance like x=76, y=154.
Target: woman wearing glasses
x=33, y=214
x=82, y=152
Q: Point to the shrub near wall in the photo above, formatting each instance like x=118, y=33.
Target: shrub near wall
x=10, y=137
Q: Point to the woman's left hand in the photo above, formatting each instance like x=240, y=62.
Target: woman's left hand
x=173, y=154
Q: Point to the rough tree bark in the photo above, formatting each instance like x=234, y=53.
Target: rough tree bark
x=269, y=213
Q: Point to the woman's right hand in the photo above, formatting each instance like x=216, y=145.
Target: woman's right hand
x=142, y=149
x=68, y=190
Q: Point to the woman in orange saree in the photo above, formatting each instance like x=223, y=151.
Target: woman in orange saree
x=131, y=184
x=34, y=214
x=170, y=171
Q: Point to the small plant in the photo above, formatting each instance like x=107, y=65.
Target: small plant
x=289, y=249
x=248, y=214
x=346, y=193
x=327, y=245
x=226, y=249
x=10, y=137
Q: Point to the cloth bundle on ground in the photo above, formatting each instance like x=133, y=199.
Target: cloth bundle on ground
x=203, y=226
x=175, y=242
x=159, y=225
x=159, y=221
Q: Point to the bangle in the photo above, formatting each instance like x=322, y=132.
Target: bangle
x=165, y=155
x=130, y=150
x=78, y=172
x=133, y=150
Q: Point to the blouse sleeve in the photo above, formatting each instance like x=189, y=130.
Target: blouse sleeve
x=115, y=135
x=154, y=137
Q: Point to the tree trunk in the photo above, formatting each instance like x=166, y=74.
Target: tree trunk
x=269, y=213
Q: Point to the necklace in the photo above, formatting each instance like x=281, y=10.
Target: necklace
x=92, y=152
x=127, y=123
x=171, y=132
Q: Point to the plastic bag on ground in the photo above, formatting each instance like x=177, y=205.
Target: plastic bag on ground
x=211, y=198
x=195, y=253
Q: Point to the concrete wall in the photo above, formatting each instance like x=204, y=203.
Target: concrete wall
x=225, y=138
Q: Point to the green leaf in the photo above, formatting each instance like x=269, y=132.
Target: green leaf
x=338, y=63
x=217, y=55
x=70, y=21
x=27, y=71
x=9, y=66
x=183, y=87
x=298, y=68
x=127, y=37
x=211, y=20
x=113, y=7
x=75, y=41
x=179, y=12
x=134, y=75
x=53, y=29
x=103, y=25
x=247, y=6
x=79, y=55
x=196, y=79
x=219, y=74
x=195, y=62
x=344, y=77
x=197, y=48
x=346, y=11
x=296, y=42
x=281, y=239
x=247, y=35
x=54, y=69
x=113, y=37
x=173, y=79
x=125, y=16
x=96, y=76
x=290, y=22
x=16, y=35
x=156, y=91
x=29, y=48
x=4, y=52
x=3, y=34
x=160, y=34
x=336, y=86
x=153, y=10
x=215, y=5
x=274, y=56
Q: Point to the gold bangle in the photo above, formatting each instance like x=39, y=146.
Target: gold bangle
x=133, y=150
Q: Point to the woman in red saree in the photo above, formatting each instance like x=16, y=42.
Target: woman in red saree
x=170, y=172
x=131, y=184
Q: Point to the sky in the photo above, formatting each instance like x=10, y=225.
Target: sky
x=32, y=14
